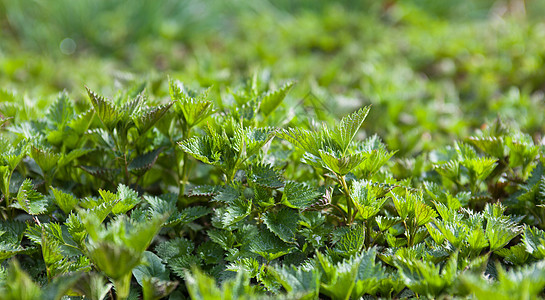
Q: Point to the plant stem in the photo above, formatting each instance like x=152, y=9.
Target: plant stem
x=186, y=131
x=126, y=167
x=368, y=233
x=123, y=286
x=349, y=217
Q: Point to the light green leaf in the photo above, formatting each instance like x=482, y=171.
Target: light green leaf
x=346, y=130
x=67, y=202
x=270, y=100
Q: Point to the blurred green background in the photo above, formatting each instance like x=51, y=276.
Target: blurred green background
x=431, y=69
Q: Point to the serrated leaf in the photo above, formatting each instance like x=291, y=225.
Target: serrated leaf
x=21, y=285
x=269, y=246
x=425, y=277
x=248, y=265
x=283, y=223
x=108, y=175
x=210, y=252
x=224, y=238
x=300, y=284
x=194, y=110
x=481, y=167
x=534, y=240
x=152, y=267
x=81, y=122
x=127, y=199
x=346, y=130
x=93, y=286
x=201, y=148
x=351, y=242
x=106, y=111
x=67, y=202
x=299, y=195
x=491, y=145
x=366, y=198
x=45, y=159
x=141, y=164
x=341, y=165
x=29, y=200
x=308, y=141
x=499, y=233
x=148, y=118
x=177, y=247
x=423, y=213
x=236, y=211
x=188, y=215
x=272, y=99
x=266, y=176
x=61, y=111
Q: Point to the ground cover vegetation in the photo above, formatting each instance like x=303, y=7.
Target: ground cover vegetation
x=272, y=149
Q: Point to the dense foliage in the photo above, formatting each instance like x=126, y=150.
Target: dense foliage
x=403, y=158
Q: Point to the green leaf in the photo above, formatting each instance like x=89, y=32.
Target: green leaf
x=299, y=195
x=283, y=223
x=300, y=284
x=65, y=159
x=143, y=163
x=346, y=130
x=67, y=202
x=152, y=267
x=20, y=285
x=490, y=145
x=341, y=165
x=481, y=167
x=235, y=212
x=155, y=289
x=8, y=250
x=308, y=141
x=366, y=198
x=93, y=286
x=272, y=99
x=499, y=232
x=224, y=238
x=423, y=213
x=534, y=240
x=45, y=159
x=518, y=283
x=425, y=277
x=29, y=200
x=269, y=246
x=114, y=260
x=247, y=265
x=385, y=223
x=108, y=175
x=210, y=252
x=194, y=110
x=61, y=111
x=187, y=215
x=128, y=199
x=108, y=114
x=145, y=120
x=177, y=247
x=350, y=278
x=351, y=242
x=265, y=176
x=81, y=122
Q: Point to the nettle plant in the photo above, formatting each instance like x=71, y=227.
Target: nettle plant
x=204, y=195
